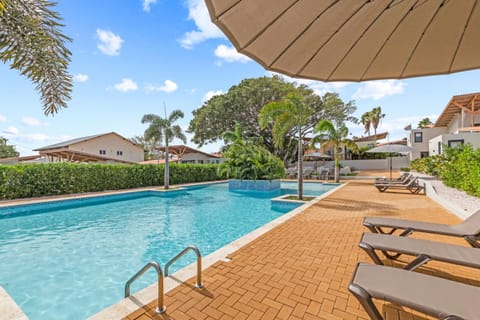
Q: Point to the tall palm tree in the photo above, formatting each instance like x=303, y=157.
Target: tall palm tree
x=332, y=138
x=31, y=41
x=288, y=114
x=366, y=120
x=376, y=116
x=164, y=129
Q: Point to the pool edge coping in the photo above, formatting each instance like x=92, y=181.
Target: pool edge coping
x=126, y=306
x=10, y=309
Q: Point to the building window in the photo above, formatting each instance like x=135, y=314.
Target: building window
x=439, y=147
x=423, y=154
x=119, y=153
x=418, y=137
x=455, y=143
x=103, y=152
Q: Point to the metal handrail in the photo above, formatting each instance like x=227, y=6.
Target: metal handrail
x=199, y=283
x=152, y=264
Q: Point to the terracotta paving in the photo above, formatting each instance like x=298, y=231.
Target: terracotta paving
x=301, y=269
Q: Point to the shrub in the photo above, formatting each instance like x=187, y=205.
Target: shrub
x=458, y=168
x=36, y=180
x=251, y=162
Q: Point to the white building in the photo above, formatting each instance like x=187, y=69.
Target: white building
x=108, y=148
x=458, y=124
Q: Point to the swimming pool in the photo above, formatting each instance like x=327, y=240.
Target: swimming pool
x=71, y=259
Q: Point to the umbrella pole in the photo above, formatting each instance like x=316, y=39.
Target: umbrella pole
x=391, y=166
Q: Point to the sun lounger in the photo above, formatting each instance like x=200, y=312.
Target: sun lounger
x=469, y=229
x=423, y=250
x=307, y=172
x=411, y=184
x=437, y=297
x=402, y=178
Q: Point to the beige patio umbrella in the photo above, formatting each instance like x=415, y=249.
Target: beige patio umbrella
x=354, y=40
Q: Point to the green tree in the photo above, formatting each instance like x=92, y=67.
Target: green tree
x=31, y=41
x=287, y=115
x=376, y=116
x=6, y=150
x=164, y=129
x=243, y=102
x=332, y=138
x=424, y=122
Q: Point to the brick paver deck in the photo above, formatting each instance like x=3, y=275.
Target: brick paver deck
x=301, y=269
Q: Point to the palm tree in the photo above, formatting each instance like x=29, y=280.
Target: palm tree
x=366, y=120
x=333, y=139
x=376, y=116
x=164, y=129
x=31, y=41
x=289, y=114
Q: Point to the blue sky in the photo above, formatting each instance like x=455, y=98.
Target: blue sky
x=131, y=57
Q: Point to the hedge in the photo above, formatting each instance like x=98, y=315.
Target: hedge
x=36, y=180
x=458, y=168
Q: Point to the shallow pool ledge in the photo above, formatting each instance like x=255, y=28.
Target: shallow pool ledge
x=123, y=308
x=9, y=310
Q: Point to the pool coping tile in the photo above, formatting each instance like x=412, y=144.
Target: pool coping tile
x=10, y=309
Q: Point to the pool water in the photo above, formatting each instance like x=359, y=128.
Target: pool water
x=71, y=259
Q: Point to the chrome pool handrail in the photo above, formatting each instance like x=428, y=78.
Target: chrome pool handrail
x=152, y=264
x=199, y=283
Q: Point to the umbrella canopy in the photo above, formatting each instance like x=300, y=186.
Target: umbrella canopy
x=345, y=40
x=317, y=156
x=391, y=148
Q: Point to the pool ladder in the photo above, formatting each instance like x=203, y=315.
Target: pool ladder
x=161, y=308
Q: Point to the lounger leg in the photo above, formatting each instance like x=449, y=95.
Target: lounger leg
x=365, y=300
x=371, y=252
x=473, y=241
x=419, y=261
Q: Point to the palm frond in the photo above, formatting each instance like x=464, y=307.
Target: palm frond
x=31, y=41
x=175, y=115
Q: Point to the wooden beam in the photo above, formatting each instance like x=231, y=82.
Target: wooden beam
x=455, y=103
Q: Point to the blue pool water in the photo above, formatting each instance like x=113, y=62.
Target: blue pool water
x=71, y=259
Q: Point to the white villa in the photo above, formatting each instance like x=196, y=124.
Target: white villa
x=107, y=148
x=458, y=124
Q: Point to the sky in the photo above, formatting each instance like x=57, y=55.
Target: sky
x=134, y=57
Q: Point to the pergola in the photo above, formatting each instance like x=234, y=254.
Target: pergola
x=180, y=150
x=66, y=154
x=469, y=103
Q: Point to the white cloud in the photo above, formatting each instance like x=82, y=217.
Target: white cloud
x=168, y=86
x=210, y=94
x=378, y=89
x=11, y=131
x=3, y=118
x=80, y=77
x=230, y=54
x=37, y=137
x=109, y=43
x=30, y=121
x=198, y=12
x=147, y=4
x=126, y=85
